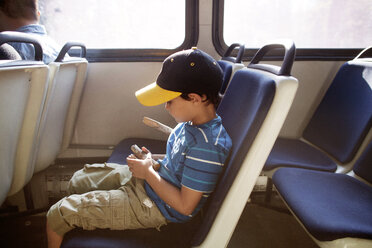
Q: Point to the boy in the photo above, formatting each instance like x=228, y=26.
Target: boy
x=23, y=16
x=196, y=151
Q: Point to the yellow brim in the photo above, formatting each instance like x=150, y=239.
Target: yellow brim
x=152, y=95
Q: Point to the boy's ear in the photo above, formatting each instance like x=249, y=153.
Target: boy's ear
x=196, y=98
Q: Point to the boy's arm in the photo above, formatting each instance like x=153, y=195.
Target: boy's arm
x=183, y=200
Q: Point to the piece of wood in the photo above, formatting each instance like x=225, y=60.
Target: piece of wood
x=157, y=125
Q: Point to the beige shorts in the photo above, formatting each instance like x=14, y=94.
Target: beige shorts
x=105, y=196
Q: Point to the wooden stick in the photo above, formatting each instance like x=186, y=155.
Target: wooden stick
x=157, y=125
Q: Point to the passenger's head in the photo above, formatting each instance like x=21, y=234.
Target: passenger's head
x=14, y=13
x=184, y=72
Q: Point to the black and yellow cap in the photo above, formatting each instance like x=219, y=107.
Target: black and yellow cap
x=188, y=71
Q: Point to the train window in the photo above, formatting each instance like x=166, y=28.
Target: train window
x=117, y=25
x=312, y=24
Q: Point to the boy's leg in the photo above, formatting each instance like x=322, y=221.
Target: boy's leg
x=126, y=208
x=104, y=176
x=54, y=240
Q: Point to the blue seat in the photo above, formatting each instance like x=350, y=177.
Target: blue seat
x=230, y=64
x=334, y=208
x=338, y=127
x=253, y=110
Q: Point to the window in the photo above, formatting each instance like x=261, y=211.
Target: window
x=119, y=24
x=315, y=24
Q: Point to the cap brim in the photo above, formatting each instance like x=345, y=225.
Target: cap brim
x=153, y=95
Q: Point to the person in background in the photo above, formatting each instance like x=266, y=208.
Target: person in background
x=23, y=16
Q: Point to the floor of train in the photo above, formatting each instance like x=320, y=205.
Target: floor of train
x=258, y=227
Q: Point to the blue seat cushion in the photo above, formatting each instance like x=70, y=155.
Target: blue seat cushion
x=122, y=150
x=296, y=153
x=171, y=235
x=330, y=206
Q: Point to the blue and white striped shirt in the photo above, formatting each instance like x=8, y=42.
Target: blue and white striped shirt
x=194, y=159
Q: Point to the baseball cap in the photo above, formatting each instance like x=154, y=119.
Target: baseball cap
x=187, y=71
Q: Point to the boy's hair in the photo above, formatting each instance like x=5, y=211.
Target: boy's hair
x=182, y=73
x=27, y=9
x=211, y=98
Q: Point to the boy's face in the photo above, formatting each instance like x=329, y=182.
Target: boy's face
x=180, y=109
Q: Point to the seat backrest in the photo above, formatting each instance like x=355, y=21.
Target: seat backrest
x=23, y=86
x=66, y=82
x=252, y=111
x=230, y=64
x=344, y=116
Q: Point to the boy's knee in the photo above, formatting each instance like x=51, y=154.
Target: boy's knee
x=74, y=185
x=55, y=219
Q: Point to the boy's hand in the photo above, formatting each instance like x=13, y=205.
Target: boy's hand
x=140, y=167
x=184, y=200
x=142, y=154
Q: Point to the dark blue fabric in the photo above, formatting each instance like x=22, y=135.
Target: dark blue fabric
x=171, y=235
x=296, y=153
x=363, y=167
x=226, y=67
x=243, y=109
x=344, y=116
x=330, y=206
x=122, y=150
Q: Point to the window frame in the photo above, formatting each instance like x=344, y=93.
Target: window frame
x=145, y=54
x=302, y=54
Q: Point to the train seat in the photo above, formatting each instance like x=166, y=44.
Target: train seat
x=66, y=83
x=338, y=127
x=23, y=92
x=253, y=110
x=230, y=64
x=339, y=216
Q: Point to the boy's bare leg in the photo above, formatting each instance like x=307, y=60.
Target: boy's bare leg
x=54, y=240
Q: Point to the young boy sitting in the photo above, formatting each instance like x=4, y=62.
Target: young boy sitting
x=136, y=196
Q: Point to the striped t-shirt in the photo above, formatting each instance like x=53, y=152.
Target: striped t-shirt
x=194, y=159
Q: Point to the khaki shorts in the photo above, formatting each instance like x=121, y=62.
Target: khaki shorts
x=105, y=196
